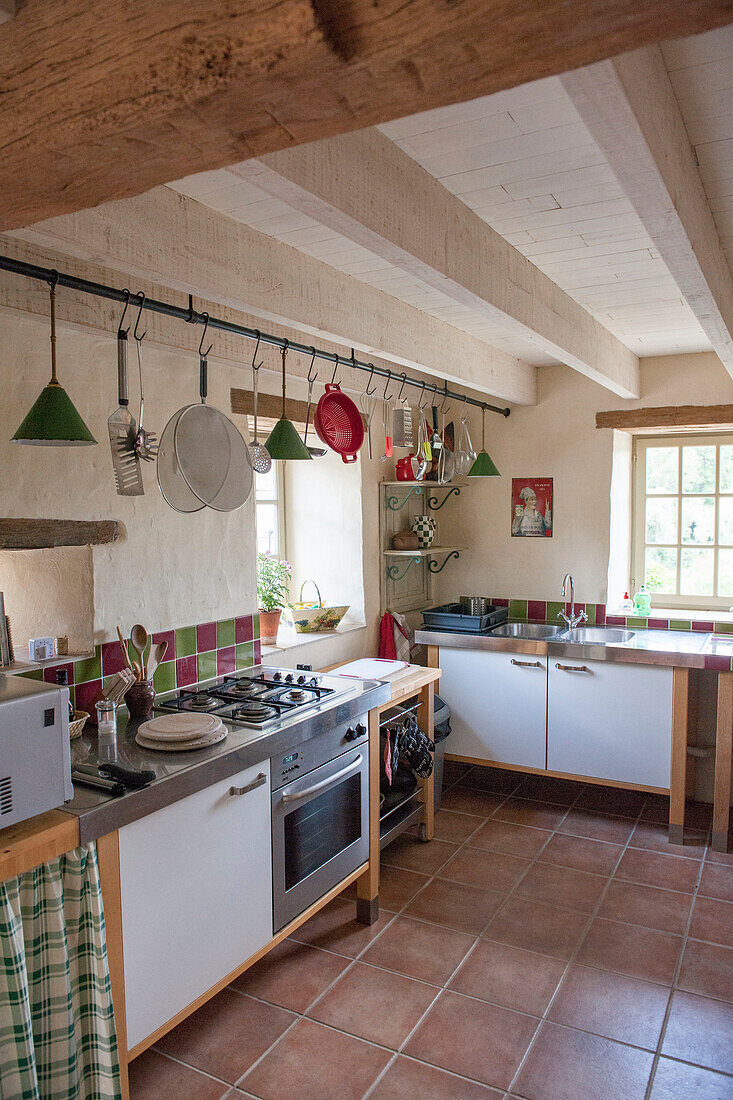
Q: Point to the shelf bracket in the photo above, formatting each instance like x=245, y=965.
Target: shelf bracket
x=433, y=501
x=434, y=568
x=393, y=571
x=393, y=502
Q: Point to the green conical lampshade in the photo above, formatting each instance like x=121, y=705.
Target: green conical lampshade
x=483, y=466
x=284, y=442
x=54, y=422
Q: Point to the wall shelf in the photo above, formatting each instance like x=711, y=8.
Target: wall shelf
x=416, y=556
x=423, y=553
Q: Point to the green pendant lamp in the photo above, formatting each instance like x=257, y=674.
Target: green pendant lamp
x=283, y=441
x=53, y=421
x=483, y=466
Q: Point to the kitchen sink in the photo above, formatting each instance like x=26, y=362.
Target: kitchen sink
x=597, y=635
x=534, y=631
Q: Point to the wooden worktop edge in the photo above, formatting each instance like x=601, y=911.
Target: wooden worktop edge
x=35, y=841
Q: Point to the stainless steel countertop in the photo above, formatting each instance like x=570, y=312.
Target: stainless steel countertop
x=182, y=773
x=681, y=648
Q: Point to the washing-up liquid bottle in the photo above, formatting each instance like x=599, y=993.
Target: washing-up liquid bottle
x=627, y=604
x=642, y=603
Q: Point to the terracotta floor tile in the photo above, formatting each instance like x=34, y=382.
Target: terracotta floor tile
x=562, y=886
x=226, y=1035
x=509, y=976
x=614, y=830
x=627, y=949
x=656, y=808
x=412, y=855
x=659, y=869
x=522, y=811
x=498, y=780
x=454, y=827
x=679, y=1081
x=398, y=886
x=611, y=800
x=313, y=1062
x=565, y=1064
x=374, y=1004
x=581, y=853
x=707, y=969
x=292, y=975
x=548, y=788
x=646, y=905
x=335, y=928
x=721, y=857
x=453, y=770
x=428, y=952
x=473, y=1038
x=612, y=1005
x=469, y=800
x=154, y=1077
x=456, y=905
x=717, y=881
x=545, y=929
x=515, y=840
x=484, y=869
x=699, y=1030
x=406, y=1080
x=655, y=838
x=712, y=920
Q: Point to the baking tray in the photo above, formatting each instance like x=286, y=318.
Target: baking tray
x=451, y=616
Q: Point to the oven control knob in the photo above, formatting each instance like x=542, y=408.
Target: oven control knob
x=277, y=677
x=351, y=734
x=361, y=729
x=301, y=679
x=314, y=681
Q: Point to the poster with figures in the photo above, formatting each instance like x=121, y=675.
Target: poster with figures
x=532, y=507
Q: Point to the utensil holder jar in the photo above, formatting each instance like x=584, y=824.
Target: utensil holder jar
x=139, y=699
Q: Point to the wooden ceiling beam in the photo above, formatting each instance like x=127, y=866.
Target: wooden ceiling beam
x=102, y=101
x=668, y=418
x=365, y=187
x=630, y=108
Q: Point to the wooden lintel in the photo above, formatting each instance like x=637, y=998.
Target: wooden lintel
x=269, y=406
x=668, y=418
x=38, y=534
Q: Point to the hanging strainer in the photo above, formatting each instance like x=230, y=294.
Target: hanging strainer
x=259, y=454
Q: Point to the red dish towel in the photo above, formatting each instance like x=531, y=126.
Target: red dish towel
x=386, y=638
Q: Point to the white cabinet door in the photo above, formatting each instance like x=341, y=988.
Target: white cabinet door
x=196, y=880
x=612, y=721
x=498, y=705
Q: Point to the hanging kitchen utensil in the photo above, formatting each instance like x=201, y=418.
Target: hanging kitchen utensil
x=338, y=422
x=465, y=455
x=122, y=427
x=259, y=454
x=387, y=421
x=314, y=452
x=436, y=442
x=173, y=487
x=283, y=441
x=368, y=403
x=402, y=431
x=146, y=443
x=446, y=461
x=483, y=466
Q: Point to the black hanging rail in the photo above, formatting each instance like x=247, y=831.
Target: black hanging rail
x=191, y=316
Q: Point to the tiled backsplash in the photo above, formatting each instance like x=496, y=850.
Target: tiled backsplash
x=194, y=653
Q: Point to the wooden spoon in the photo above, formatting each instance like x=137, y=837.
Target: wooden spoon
x=139, y=639
x=157, y=653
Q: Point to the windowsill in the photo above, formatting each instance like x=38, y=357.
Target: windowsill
x=694, y=616
x=288, y=640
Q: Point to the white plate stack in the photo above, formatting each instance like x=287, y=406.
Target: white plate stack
x=181, y=732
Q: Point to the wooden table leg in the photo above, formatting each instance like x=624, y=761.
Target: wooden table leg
x=367, y=886
x=723, y=750
x=108, y=857
x=678, y=768
x=425, y=716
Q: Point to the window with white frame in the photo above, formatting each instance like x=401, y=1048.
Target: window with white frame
x=683, y=520
x=270, y=508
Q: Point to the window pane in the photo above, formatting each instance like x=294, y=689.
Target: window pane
x=725, y=520
x=726, y=469
x=725, y=573
x=696, y=572
x=698, y=520
x=660, y=572
x=661, y=469
x=266, y=484
x=267, y=529
x=698, y=469
x=661, y=519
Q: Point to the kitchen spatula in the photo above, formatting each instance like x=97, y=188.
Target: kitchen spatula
x=123, y=432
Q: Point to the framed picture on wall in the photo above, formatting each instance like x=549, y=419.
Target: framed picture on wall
x=532, y=507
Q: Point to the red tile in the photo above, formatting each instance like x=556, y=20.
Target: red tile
x=583, y=854
x=712, y=920
x=49, y=672
x=680, y=1081
x=707, y=968
x=659, y=869
x=499, y=601
x=509, y=976
x=225, y=660
x=516, y=840
x=453, y=827
x=455, y=905
x=629, y=949
x=243, y=629
x=484, y=869
x=615, y=830
x=522, y=811
x=655, y=838
x=86, y=695
x=257, y=651
x=168, y=636
x=205, y=637
x=717, y=881
x=600, y=614
x=565, y=1064
x=615, y=620
x=612, y=1005
x=703, y=627
x=545, y=929
x=715, y=662
x=112, y=659
x=473, y=1038
x=658, y=624
x=537, y=610
x=186, y=671
x=153, y=1076
x=428, y=952
x=562, y=886
x=292, y=975
x=406, y=1079
x=665, y=910
x=398, y=886
x=699, y=1030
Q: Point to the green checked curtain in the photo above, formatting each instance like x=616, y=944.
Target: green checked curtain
x=57, y=1032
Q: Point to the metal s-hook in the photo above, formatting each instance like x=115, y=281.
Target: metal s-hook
x=403, y=376
x=142, y=335
x=204, y=354
x=333, y=376
x=370, y=392
x=120, y=329
x=445, y=398
x=386, y=385
x=256, y=366
x=421, y=402
x=310, y=367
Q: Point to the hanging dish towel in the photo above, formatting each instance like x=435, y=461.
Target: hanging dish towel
x=386, y=637
x=388, y=759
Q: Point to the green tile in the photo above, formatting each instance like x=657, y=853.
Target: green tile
x=164, y=677
x=90, y=669
x=517, y=609
x=245, y=654
x=553, y=610
x=637, y=623
x=34, y=674
x=225, y=633
x=185, y=641
x=680, y=624
x=207, y=665
x=590, y=610
x=256, y=626
x=723, y=628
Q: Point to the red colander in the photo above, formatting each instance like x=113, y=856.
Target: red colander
x=338, y=423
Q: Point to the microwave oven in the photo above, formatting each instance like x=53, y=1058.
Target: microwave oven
x=35, y=753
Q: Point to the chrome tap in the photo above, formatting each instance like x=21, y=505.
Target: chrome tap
x=572, y=619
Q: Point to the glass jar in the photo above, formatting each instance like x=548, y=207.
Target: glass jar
x=106, y=717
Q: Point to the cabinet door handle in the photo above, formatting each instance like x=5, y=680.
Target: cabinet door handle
x=258, y=782
x=572, y=668
x=527, y=664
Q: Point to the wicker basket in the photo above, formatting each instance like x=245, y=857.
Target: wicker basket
x=75, y=727
x=308, y=618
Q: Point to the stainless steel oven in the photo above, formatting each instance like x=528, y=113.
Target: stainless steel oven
x=320, y=817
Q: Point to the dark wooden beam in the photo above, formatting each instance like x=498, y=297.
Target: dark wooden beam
x=269, y=407
x=668, y=418
x=102, y=101
x=38, y=534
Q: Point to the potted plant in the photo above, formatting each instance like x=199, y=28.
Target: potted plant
x=273, y=578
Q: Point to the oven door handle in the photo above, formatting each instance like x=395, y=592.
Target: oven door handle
x=353, y=767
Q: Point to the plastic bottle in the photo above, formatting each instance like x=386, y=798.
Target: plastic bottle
x=627, y=604
x=642, y=603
